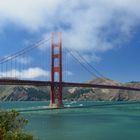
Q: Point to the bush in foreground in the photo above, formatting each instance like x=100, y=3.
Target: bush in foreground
x=11, y=125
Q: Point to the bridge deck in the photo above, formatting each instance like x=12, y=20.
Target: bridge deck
x=64, y=84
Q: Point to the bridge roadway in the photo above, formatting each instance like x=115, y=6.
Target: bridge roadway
x=64, y=84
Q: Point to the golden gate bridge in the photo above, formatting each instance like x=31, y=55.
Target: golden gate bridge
x=55, y=82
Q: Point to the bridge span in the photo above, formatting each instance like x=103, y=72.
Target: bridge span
x=63, y=84
x=56, y=82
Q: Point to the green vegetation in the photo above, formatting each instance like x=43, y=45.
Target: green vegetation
x=37, y=94
x=11, y=125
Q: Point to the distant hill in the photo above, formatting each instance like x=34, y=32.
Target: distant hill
x=32, y=93
x=23, y=93
x=96, y=94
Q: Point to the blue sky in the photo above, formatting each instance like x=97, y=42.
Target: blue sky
x=105, y=33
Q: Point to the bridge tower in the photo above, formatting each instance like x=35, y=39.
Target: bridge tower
x=56, y=71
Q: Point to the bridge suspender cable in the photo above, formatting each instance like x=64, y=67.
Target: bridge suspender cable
x=23, y=51
x=86, y=62
x=77, y=60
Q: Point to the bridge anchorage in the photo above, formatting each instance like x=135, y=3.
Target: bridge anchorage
x=56, y=71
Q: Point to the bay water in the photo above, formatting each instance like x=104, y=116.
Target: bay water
x=87, y=120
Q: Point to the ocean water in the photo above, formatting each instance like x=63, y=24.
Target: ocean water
x=86, y=120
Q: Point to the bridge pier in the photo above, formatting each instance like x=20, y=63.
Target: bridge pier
x=56, y=71
x=56, y=96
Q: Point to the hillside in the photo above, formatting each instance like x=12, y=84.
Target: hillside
x=104, y=94
x=32, y=93
x=96, y=94
x=23, y=93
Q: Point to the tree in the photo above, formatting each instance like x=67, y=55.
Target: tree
x=11, y=125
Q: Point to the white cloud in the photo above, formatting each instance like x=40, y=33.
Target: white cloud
x=28, y=13
x=91, y=58
x=97, y=25
x=68, y=73
x=82, y=56
x=23, y=60
x=30, y=73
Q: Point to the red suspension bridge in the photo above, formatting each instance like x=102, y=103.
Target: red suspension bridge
x=9, y=75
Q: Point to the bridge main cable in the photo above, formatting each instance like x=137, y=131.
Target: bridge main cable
x=77, y=60
x=23, y=51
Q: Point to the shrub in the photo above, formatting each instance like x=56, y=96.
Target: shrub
x=11, y=125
